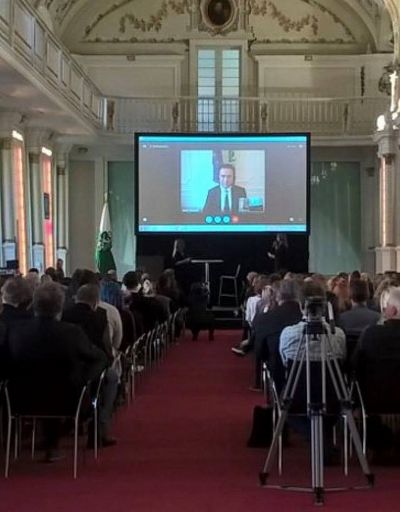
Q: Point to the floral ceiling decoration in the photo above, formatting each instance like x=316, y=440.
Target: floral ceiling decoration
x=154, y=22
x=60, y=9
x=294, y=21
x=289, y=24
x=150, y=23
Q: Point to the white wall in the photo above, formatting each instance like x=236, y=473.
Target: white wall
x=146, y=75
x=82, y=223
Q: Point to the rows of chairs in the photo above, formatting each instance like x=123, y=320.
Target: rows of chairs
x=149, y=350
x=17, y=415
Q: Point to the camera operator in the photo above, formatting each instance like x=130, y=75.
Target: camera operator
x=318, y=332
x=313, y=311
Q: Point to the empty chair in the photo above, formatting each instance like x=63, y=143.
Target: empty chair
x=233, y=286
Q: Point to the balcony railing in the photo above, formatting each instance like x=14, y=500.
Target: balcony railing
x=27, y=39
x=321, y=116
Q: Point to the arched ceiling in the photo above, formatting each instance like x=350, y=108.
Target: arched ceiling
x=108, y=26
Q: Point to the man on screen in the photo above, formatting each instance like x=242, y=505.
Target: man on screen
x=224, y=198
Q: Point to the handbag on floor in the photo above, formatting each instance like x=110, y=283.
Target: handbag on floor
x=262, y=429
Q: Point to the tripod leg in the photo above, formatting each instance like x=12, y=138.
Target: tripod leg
x=354, y=435
x=317, y=456
x=274, y=445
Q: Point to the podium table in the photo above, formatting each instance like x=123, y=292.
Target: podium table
x=207, y=263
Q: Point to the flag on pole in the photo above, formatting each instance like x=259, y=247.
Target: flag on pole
x=104, y=257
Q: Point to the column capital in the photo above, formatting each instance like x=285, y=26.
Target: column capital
x=387, y=141
x=35, y=138
x=10, y=121
x=6, y=143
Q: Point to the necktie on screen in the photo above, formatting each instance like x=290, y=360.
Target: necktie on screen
x=226, y=202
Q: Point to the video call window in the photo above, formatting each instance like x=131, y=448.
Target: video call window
x=189, y=183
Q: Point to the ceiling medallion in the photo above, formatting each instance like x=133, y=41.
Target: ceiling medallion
x=218, y=16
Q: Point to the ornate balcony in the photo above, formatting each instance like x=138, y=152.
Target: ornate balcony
x=321, y=116
x=27, y=41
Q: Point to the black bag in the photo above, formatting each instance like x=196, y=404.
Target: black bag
x=262, y=430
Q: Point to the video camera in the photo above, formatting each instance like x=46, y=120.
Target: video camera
x=315, y=308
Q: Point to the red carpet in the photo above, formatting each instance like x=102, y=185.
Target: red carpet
x=182, y=447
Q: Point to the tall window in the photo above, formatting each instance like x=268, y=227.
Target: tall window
x=218, y=89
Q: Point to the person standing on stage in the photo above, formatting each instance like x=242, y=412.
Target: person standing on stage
x=179, y=262
x=279, y=253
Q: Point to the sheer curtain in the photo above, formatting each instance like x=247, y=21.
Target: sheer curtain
x=335, y=241
x=121, y=201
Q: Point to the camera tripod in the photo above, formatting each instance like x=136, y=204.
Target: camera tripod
x=315, y=332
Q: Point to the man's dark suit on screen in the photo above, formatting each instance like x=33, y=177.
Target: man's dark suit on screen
x=213, y=205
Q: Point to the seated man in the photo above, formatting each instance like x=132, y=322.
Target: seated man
x=83, y=313
x=50, y=362
x=16, y=294
x=269, y=328
x=359, y=316
x=224, y=198
x=376, y=362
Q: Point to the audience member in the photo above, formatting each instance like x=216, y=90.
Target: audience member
x=269, y=326
x=292, y=336
x=96, y=327
x=16, y=294
x=292, y=345
x=359, y=316
x=375, y=358
x=50, y=362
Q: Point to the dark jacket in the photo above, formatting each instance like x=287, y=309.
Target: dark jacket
x=94, y=324
x=213, y=205
x=268, y=327
x=50, y=361
x=10, y=314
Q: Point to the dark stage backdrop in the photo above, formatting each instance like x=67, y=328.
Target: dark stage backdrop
x=249, y=250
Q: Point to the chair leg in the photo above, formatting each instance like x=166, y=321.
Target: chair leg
x=96, y=433
x=16, y=437
x=33, y=438
x=220, y=291
x=8, y=447
x=236, y=293
x=76, y=447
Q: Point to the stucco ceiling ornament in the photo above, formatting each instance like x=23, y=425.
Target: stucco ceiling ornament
x=270, y=8
x=218, y=16
x=385, y=84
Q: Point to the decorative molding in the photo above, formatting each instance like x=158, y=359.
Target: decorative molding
x=303, y=40
x=62, y=9
x=384, y=84
x=199, y=11
x=150, y=40
x=154, y=21
x=268, y=8
x=265, y=8
x=218, y=16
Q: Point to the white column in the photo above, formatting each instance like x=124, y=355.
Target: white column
x=62, y=209
x=36, y=210
x=388, y=161
x=36, y=138
x=9, y=249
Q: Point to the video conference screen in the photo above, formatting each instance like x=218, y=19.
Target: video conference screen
x=209, y=183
